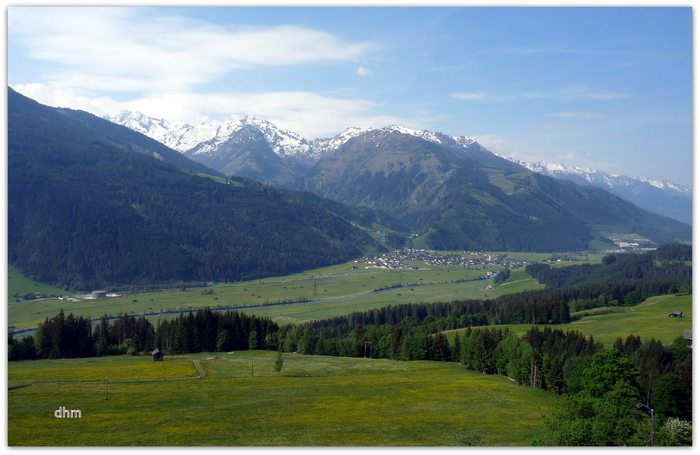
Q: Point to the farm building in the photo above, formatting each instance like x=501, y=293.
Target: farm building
x=99, y=294
x=676, y=314
x=688, y=335
x=157, y=355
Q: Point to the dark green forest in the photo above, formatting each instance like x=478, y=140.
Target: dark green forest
x=663, y=265
x=205, y=330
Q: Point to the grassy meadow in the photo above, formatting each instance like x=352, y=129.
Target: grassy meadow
x=349, y=279
x=649, y=319
x=314, y=401
x=342, y=280
x=120, y=368
x=18, y=285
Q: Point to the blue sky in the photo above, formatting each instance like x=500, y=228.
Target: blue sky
x=604, y=88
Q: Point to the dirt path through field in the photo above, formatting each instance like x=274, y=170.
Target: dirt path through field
x=200, y=369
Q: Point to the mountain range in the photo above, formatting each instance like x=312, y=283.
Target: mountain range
x=662, y=197
x=452, y=191
x=259, y=150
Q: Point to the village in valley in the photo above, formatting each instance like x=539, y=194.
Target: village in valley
x=399, y=259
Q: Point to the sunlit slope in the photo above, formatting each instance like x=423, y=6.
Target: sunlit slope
x=649, y=319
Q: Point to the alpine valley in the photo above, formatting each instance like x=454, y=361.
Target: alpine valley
x=94, y=202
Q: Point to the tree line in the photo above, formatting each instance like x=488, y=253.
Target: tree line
x=661, y=267
x=205, y=330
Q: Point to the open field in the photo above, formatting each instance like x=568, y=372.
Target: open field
x=18, y=285
x=315, y=401
x=649, y=319
x=348, y=279
x=119, y=368
x=442, y=293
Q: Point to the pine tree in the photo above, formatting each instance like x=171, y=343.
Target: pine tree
x=457, y=350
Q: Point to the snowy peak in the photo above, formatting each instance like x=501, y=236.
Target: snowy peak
x=670, y=186
x=282, y=142
x=600, y=178
x=140, y=123
x=465, y=141
x=325, y=146
x=205, y=138
x=425, y=135
x=666, y=198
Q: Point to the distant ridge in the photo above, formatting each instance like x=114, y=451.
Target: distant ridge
x=467, y=198
x=224, y=148
x=665, y=198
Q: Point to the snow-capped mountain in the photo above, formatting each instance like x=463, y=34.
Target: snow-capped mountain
x=219, y=146
x=326, y=146
x=205, y=138
x=603, y=179
x=666, y=198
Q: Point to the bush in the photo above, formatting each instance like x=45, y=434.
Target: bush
x=676, y=432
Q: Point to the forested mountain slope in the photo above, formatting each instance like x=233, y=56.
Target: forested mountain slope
x=72, y=122
x=465, y=198
x=85, y=211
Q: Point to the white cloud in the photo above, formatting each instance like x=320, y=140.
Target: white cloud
x=133, y=49
x=308, y=114
x=362, y=71
x=158, y=62
x=518, y=149
x=577, y=92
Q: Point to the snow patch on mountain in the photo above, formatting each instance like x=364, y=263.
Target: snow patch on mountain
x=325, y=146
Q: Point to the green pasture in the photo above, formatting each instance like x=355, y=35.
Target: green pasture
x=348, y=279
x=97, y=369
x=19, y=285
x=416, y=294
x=314, y=401
x=647, y=320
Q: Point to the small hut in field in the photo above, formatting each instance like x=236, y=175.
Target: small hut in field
x=157, y=355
